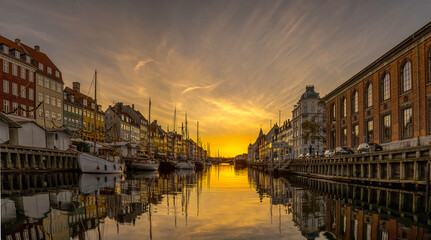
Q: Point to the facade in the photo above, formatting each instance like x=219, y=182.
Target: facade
x=17, y=79
x=388, y=102
x=139, y=131
x=93, y=122
x=121, y=125
x=309, y=108
x=157, y=138
x=72, y=111
x=49, y=89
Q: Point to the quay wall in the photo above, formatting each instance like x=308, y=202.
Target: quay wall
x=400, y=167
x=28, y=159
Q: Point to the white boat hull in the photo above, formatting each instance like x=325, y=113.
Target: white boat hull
x=146, y=166
x=93, y=164
x=185, y=165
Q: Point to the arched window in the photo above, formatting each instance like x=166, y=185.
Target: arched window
x=355, y=102
x=369, y=95
x=429, y=66
x=344, y=107
x=333, y=112
x=386, y=87
x=406, y=77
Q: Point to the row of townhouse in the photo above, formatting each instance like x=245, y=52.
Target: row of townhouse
x=309, y=108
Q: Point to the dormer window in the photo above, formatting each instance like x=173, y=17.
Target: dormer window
x=92, y=105
x=85, y=102
x=26, y=58
x=40, y=66
x=49, y=70
x=16, y=53
x=57, y=73
x=72, y=98
x=5, y=48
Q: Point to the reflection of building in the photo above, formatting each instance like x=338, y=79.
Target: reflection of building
x=309, y=212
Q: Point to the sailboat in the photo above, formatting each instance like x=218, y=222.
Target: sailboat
x=106, y=162
x=187, y=164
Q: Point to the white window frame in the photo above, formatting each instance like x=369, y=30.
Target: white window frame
x=6, y=87
x=5, y=66
x=40, y=66
x=23, y=72
x=23, y=92
x=14, y=89
x=14, y=69
x=31, y=94
x=6, y=106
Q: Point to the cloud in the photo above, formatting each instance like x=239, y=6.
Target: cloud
x=209, y=87
x=142, y=63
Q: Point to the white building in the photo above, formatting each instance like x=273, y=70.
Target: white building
x=310, y=108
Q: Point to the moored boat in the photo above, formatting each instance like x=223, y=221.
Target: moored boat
x=146, y=165
x=199, y=165
x=185, y=165
x=93, y=164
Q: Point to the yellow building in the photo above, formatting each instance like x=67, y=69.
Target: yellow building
x=93, y=124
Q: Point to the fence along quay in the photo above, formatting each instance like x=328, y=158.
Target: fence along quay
x=393, y=168
x=29, y=159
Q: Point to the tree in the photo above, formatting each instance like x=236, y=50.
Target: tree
x=312, y=130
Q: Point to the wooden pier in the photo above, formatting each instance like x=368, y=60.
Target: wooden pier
x=28, y=159
x=398, y=168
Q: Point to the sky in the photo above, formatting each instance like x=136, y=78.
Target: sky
x=231, y=65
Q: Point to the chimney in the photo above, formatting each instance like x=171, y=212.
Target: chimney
x=76, y=86
x=17, y=41
x=37, y=48
x=133, y=106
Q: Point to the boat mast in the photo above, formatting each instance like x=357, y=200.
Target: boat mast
x=95, y=109
x=149, y=127
x=197, y=141
x=187, y=140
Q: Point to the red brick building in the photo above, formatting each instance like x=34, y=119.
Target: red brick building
x=17, y=74
x=388, y=102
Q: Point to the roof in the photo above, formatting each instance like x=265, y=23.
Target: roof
x=13, y=45
x=80, y=96
x=10, y=122
x=40, y=57
x=309, y=93
x=395, y=50
x=23, y=120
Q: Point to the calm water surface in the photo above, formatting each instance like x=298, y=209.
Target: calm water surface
x=221, y=202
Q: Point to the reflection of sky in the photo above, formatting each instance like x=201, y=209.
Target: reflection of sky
x=228, y=209
x=231, y=64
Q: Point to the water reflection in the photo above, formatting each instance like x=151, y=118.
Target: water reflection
x=219, y=202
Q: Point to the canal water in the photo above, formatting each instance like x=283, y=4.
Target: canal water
x=220, y=202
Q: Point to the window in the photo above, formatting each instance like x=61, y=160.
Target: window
x=40, y=113
x=40, y=66
x=65, y=107
x=23, y=110
x=333, y=112
x=386, y=87
x=6, y=86
x=49, y=70
x=355, y=135
x=386, y=128
x=5, y=66
x=46, y=82
x=17, y=54
x=31, y=94
x=59, y=102
x=40, y=97
x=14, y=69
x=47, y=114
x=57, y=73
x=59, y=87
x=406, y=77
x=46, y=99
x=22, y=72
x=53, y=116
x=344, y=137
x=369, y=95
x=407, y=123
x=22, y=92
x=15, y=89
x=344, y=107
x=59, y=117
x=370, y=128
x=15, y=108
x=355, y=102
x=30, y=76
x=53, y=87
x=429, y=66
x=6, y=106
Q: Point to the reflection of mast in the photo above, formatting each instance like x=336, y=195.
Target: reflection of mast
x=97, y=214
